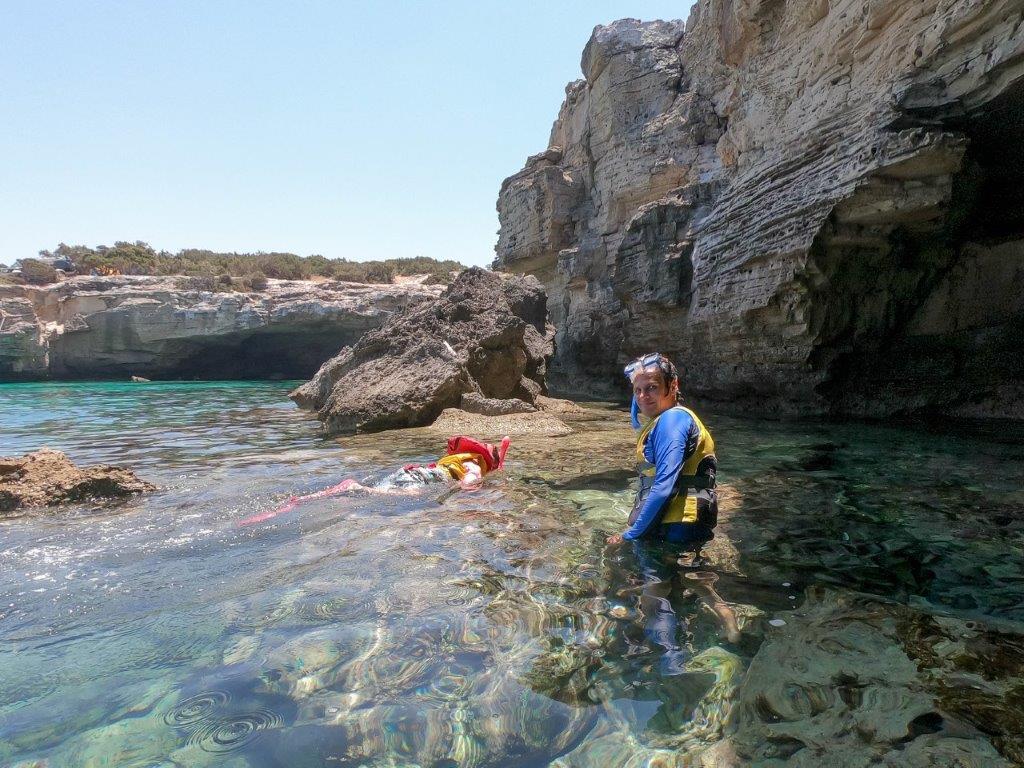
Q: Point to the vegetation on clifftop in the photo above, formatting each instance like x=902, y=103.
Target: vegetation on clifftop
x=210, y=270
x=36, y=272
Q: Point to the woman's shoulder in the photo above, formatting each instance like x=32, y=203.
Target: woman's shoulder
x=675, y=418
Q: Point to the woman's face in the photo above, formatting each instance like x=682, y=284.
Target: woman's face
x=651, y=393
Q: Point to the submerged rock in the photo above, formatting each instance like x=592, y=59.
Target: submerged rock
x=851, y=680
x=486, y=335
x=46, y=478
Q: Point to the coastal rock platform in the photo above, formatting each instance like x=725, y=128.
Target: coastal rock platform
x=453, y=421
x=47, y=478
x=154, y=328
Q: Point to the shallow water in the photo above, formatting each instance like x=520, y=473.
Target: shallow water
x=496, y=629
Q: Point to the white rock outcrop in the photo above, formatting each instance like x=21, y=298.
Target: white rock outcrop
x=117, y=327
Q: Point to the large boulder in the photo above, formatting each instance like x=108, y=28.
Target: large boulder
x=487, y=334
x=47, y=478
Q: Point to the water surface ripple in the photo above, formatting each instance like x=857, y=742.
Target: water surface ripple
x=864, y=601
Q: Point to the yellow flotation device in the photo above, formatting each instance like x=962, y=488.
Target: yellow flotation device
x=681, y=507
x=454, y=464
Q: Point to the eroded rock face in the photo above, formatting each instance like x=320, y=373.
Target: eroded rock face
x=813, y=205
x=117, y=327
x=486, y=334
x=47, y=478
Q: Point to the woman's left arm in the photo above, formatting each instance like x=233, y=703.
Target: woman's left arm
x=668, y=444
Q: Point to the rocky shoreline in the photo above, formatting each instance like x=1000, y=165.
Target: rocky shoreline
x=151, y=327
x=813, y=207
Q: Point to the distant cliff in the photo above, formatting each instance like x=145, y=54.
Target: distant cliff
x=816, y=205
x=116, y=327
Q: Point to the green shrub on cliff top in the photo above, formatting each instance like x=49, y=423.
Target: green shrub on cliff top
x=35, y=272
x=247, y=271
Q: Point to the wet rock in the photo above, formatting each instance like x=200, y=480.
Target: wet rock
x=48, y=478
x=558, y=405
x=567, y=410
x=486, y=335
x=472, y=402
x=835, y=685
x=452, y=421
x=807, y=204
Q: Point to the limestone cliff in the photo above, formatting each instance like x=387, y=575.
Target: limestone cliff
x=115, y=327
x=816, y=205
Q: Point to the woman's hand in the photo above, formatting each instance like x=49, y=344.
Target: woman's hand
x=614, y=539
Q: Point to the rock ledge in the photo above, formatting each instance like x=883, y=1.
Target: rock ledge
x=46, y=478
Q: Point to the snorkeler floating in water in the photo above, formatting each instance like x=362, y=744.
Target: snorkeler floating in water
x=463, y=466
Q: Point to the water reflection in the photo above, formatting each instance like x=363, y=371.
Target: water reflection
x=863, y=598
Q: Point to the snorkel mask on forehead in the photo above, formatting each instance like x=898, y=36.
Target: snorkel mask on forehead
x=641, y=364
x=646, y=361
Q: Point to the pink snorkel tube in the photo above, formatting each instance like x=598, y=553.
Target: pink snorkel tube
x=506, y=441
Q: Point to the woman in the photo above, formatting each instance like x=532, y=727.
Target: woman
x=675, y=453
x=675, y=502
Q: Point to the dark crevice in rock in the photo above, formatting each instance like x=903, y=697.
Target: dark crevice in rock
x=996, y=154
x=927, y=319
x=285, y=353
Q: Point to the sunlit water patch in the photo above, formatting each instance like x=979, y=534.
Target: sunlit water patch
x=865, y=597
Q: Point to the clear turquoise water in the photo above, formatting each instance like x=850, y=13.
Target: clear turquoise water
x=492, y=630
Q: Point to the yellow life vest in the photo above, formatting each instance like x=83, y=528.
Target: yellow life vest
x=682, y=506
x=454, y=464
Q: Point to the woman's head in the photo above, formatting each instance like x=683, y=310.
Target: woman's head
x=655, y=383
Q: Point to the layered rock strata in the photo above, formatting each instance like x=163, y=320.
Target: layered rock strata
x=47, y=478
x=814, y=204
x=114, y=328
x=487, y=335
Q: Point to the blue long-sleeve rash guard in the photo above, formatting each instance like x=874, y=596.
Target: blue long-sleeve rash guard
x=672, y=441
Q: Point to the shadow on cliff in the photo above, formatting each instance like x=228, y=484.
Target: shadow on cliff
x=930, y=318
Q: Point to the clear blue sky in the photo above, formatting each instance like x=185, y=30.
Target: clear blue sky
x=357, y=130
